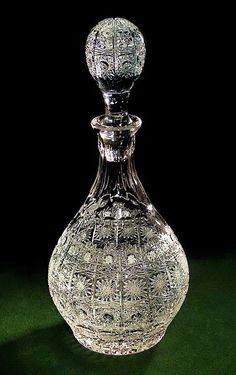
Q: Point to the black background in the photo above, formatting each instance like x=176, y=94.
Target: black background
x=185, y=149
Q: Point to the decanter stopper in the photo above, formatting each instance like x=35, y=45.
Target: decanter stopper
x=115, y=54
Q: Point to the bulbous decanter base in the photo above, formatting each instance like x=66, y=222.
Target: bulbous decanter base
x=132, y=342
x=118, y=276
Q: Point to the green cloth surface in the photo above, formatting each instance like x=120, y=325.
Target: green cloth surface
x=201, y=340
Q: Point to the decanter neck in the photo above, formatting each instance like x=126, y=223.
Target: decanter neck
x=116, y=140
x=116, y=147
x=118, y=180
x=117, y=176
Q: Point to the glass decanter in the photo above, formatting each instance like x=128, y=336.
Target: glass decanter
x=118, y=274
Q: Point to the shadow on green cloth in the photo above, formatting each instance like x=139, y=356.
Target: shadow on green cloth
x=55, y=351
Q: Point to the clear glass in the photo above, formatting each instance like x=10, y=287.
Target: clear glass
x=118, y=274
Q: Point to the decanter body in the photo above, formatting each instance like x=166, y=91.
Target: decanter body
x=118, y=274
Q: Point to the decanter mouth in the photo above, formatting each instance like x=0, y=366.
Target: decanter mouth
x=100, y=123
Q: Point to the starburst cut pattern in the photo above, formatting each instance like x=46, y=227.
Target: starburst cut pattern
x=83, y=286
x=104, y=232
x=148, y=233
x=158, y=283
x=134, y=289
x=129, y=232
x=105, y=290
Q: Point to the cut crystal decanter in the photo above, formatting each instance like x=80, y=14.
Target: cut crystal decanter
x=118, y=274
